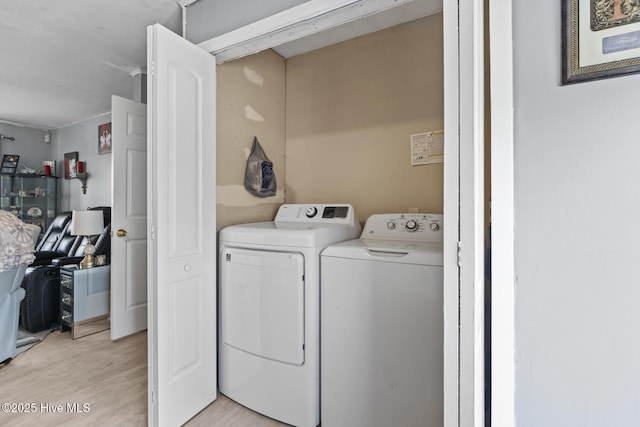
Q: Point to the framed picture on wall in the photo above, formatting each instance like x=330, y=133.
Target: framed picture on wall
x=9, y=163
x=104, y=138
x=600, y=39
x=70, y=165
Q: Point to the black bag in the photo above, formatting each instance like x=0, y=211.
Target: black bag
x=259, y=178
x=40, y=308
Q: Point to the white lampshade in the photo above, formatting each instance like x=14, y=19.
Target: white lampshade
x=87, y=223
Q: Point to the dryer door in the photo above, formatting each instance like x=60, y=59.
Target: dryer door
x=262, y=303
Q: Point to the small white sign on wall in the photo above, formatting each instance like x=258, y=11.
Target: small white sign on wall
x=427, y=147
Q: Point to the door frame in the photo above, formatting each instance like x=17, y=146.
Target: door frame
x=464, y=213
x=502, y=215
x=463, y=195
x=463, y=190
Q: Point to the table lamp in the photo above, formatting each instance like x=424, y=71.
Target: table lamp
x=87, y=223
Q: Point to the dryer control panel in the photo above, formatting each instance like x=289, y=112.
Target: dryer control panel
x=407, y=226
x=316, y=213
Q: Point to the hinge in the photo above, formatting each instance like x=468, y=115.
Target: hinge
x=459, y=253
x=153, y=396
x=153, y=233
x=153, y=68
x=303, y=278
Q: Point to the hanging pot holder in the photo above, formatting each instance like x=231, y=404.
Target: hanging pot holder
x=259, y=178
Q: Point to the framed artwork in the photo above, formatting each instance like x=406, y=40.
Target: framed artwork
x=70, y=165
x=9, y=163
x=600, y=39
x=104, y=138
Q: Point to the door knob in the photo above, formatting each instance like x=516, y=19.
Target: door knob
x=121, y=233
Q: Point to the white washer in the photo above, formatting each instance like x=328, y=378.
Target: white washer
x=269, y=309
x=382, y=325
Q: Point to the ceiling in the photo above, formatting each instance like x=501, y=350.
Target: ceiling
x=60, y=61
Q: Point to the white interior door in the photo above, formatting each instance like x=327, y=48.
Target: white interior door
x=182, y=228
x=128, y=217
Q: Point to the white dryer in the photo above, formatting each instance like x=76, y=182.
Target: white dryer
x=269, y=309
x=382, y=325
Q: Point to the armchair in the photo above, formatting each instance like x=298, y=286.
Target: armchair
x=17, y=241
x=57, y=241
x=50, y=238
x=40, y=308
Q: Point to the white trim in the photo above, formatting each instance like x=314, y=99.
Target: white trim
x=152, y=294
x=470, y=27
x=306, y=19
x=502, y=216
x=478, y=212
x=451, y=213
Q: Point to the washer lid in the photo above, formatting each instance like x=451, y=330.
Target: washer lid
x=396, y=251
x=289, y=234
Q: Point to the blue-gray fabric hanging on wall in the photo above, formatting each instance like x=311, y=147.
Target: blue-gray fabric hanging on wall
x=259, y=178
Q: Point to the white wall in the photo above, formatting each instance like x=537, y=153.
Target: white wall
x=350, y=116
x=28, y=144
x=577, y=207
x=83, y=138
x=250, y=102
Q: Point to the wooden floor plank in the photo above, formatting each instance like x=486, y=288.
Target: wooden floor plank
x=109, y=378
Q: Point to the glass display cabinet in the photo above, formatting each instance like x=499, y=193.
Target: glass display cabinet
x=30, y=197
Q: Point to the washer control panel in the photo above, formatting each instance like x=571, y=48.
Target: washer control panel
x=408, y=226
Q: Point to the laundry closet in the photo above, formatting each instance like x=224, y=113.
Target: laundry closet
x=336, y=123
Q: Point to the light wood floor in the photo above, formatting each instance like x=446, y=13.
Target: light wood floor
x=110, y=377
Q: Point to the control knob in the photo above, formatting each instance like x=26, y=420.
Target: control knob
x=434, y=226
x=411, y=225
x=311, y=211
x=391, y=225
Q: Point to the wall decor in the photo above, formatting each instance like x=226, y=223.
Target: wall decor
x=70, y=165
x=9, y=163
x=104, y=138
x=600, y=39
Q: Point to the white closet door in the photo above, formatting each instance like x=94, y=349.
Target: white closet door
x=182, y=236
